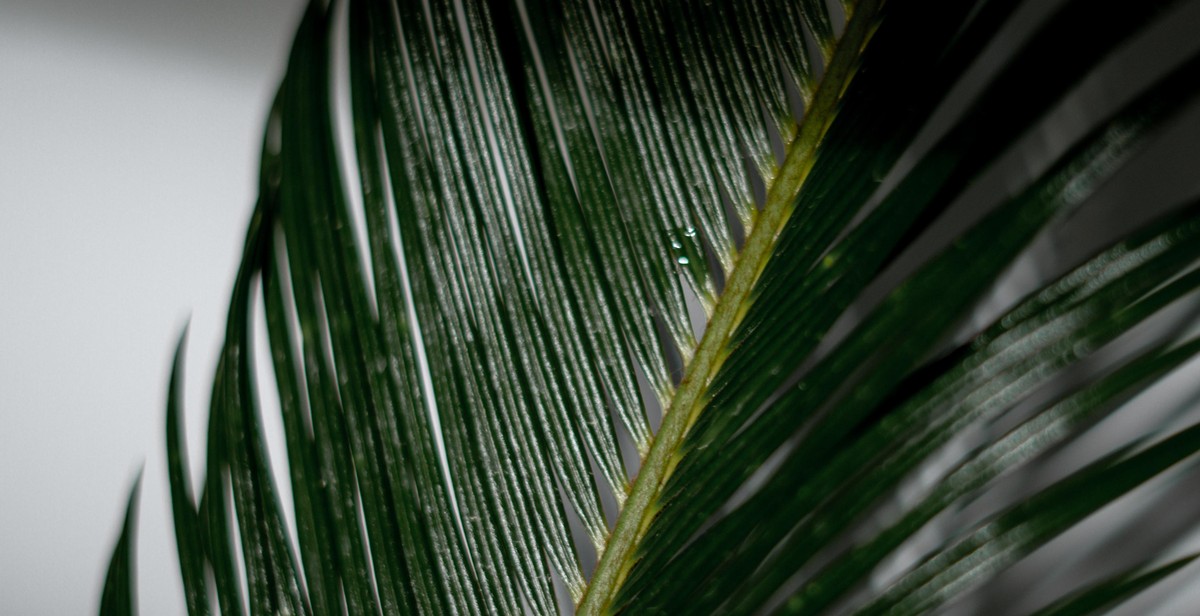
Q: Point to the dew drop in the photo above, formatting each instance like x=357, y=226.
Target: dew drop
x=688, y=251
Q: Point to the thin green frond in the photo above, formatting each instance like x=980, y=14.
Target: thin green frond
x=119, y=595
x=1107, y=594
x=189, y=538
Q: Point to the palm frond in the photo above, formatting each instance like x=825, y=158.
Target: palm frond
x=567, y=220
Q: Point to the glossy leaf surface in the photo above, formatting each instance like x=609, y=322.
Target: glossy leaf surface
x=637, y=307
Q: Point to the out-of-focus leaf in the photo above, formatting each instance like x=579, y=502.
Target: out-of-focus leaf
x=1107, y=594
x=119, y=596
x=1015, y=532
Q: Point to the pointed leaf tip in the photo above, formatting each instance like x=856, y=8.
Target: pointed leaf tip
x=119, y=597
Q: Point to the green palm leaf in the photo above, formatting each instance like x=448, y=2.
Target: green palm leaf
x=638, y=307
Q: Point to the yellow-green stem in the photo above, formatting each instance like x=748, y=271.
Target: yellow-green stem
x=641, y=504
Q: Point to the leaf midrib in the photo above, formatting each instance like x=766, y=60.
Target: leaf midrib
x=710, y=354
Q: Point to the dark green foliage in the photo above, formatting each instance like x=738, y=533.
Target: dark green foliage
x=471, y=333
x=119, y=597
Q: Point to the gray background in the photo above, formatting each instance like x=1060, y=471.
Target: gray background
x=129, y=134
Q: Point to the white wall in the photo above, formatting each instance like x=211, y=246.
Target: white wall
x=128, y=143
